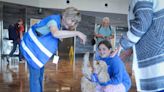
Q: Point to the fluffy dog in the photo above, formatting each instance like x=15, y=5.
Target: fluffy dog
x=99, y=67
x=86, y=84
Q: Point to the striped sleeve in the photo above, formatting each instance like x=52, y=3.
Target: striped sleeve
x=143, y=12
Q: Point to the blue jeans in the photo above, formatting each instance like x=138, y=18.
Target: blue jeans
x=161, y=91
x=36, y=79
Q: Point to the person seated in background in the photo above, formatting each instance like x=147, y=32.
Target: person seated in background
x=104, y=31
x=119, y=78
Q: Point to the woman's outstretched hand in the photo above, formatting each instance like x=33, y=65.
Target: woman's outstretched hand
x=83, y=37
x=116, y=51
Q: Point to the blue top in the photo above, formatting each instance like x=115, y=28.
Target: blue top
x=105, y=31
x=117, y=72
x=37, y=50
x=43, y=26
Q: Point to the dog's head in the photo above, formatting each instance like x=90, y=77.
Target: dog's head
x=101, y=69
x=99, y=66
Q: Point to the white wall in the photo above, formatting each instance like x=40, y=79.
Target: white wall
x=114, y=6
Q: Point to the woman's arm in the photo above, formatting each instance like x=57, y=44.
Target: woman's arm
x=96, y=32
x=143, y=15
x=67, y=34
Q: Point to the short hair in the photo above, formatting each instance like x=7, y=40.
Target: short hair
x=106, y=19
x=20, y=20
x=106, y=43
x=72, y=13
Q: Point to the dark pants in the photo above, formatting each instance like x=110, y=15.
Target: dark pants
x=15, y=43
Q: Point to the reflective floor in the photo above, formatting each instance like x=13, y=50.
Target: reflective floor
x=64, y=77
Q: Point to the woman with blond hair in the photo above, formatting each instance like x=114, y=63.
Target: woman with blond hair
x=41, y=42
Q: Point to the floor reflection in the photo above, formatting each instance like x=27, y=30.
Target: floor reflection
x=61, y=78
x=12, y=76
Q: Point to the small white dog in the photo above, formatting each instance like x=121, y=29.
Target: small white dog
x=99, y=67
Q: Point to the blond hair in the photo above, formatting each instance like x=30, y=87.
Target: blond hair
x=72, y=13
x=106, y=19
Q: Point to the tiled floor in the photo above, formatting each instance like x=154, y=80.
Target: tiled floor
x=62, y=78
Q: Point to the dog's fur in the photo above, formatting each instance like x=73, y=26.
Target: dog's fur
x=99, y=67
